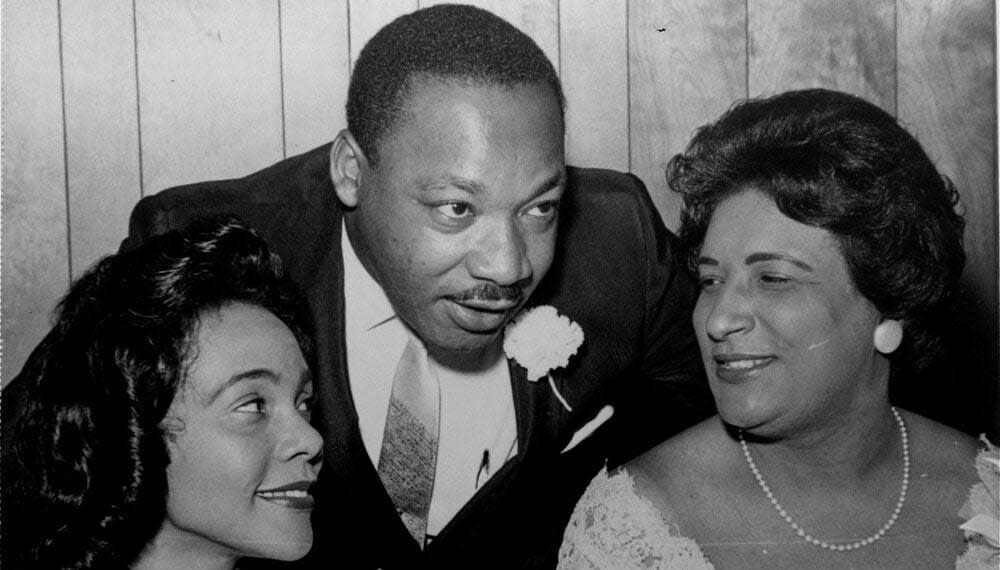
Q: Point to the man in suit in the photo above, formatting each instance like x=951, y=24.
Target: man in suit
x=443, y=210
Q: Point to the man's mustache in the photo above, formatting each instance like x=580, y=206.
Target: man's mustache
x=491, y=292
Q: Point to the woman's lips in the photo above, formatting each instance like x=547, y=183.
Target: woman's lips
x=740, y=367
x=295, y=496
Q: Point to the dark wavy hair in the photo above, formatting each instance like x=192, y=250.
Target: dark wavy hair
x=837, y=162
x=447, y=41
x=87, y=488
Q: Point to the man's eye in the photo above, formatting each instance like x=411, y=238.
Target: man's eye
x=544, y=211
x=305, y=405
x=454, y=210
x=255, y=406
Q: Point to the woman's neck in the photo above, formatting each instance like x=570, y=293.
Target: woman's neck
x=176, y=551
x=839, y=453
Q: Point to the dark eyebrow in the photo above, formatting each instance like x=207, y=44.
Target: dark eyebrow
x=555, y=181
x=464, y=184
x=702, y=260
x=757, y=257
x=473, y=187
x=242, y=376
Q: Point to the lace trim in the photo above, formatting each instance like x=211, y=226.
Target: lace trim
x=613, y=527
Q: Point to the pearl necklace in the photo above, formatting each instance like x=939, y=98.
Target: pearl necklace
x=821, y=543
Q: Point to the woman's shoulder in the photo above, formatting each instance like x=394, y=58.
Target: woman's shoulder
x=942, y=471
x=614, y=527
x=689, y=473
x=688, y=455
x=941, y=451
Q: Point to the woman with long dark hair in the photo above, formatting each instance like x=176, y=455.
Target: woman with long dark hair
x=166, y=414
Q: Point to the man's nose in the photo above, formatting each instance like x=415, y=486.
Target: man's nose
x=500, y=255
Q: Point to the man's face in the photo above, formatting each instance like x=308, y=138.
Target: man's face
x=457, y=221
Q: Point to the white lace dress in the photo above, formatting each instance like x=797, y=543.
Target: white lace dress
x=614, y=528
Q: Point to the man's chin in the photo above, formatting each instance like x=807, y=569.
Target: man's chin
x=470, y=341
x=469, y=352
x=462, y=339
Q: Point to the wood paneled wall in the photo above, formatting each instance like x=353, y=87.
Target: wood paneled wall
x=108, y=100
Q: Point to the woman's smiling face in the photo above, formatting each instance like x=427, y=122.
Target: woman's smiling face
x=785, y=336
x=242, y=452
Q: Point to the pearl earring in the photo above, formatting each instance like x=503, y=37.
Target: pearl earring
x=888, y=336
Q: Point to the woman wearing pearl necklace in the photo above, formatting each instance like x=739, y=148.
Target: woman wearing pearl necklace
x=827, y=248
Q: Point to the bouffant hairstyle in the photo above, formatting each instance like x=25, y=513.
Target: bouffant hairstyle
x=837, y=162
x=86, y=476
x=446, y=41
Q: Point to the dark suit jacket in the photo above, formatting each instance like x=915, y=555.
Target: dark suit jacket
x=616, y=273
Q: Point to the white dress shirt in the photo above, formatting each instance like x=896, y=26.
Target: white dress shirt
x=478, y=428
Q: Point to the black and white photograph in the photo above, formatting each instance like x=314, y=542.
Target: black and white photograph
x=539, y=284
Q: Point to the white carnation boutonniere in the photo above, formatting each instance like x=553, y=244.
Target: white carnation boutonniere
x=982, y=514
x=542, y=340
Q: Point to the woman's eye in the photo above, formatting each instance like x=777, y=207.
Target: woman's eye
x=708, y=282
x=454, y=210
x=255, y=406
x=772, y=280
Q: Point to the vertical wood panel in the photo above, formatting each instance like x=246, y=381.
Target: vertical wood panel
x=317, y=65
x=209, y=89
x=367, y=19
x=537, y=18
x=102, y=137
x=687, y=62
x=210, y=105
x=847, y=45
x=594, y=69
x=947, y=97
x=35, y=251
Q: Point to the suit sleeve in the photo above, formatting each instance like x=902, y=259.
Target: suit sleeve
x=670, y=392
x=149, y=218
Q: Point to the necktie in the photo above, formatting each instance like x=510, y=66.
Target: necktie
x=409, y=447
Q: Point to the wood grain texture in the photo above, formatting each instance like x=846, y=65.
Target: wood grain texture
x=223, y=88
x=102, y=134
x=947, y=98
x=594, y=70
x=848, y=45
x=209, y=89
x=316, y=62
x=687, y=63
x=35, y=262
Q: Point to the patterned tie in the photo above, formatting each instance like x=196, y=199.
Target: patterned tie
x=409, y=447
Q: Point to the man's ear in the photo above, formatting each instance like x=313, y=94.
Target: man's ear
x=346, y=162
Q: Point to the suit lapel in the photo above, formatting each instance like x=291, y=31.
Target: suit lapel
x=497, y=507
x=358, y=509
x=538, y=413
x=340, y=418
x=536, y=432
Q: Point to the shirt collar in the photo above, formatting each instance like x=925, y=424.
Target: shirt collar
x=365, y=300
